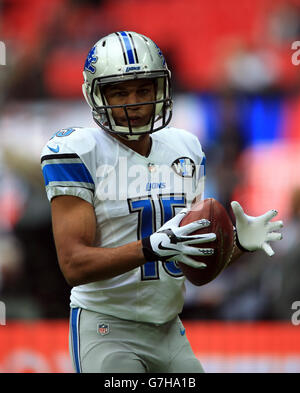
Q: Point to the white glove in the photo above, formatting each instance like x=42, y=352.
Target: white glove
x=172, y=242
x=254, y=233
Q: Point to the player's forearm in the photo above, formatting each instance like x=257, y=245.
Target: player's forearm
x=89, y=264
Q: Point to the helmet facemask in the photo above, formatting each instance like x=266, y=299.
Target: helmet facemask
x=162, y=105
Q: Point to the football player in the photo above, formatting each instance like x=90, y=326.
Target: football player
x=118, y=193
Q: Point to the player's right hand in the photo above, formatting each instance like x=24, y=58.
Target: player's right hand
x=172, y=242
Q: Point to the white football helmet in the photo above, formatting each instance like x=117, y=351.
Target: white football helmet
x=120, y=57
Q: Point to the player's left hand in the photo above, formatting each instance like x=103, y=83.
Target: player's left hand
x=255, y=233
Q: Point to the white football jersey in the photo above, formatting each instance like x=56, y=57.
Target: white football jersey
x=132, y=196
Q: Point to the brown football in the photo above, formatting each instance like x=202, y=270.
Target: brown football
x=221, y=225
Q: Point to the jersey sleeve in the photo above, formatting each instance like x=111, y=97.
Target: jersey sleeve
x=66, y=169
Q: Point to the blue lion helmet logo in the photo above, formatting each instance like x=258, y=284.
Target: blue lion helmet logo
x=160, y=54
x=91, y=58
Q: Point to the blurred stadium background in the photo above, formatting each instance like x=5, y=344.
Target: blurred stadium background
x=235, y=87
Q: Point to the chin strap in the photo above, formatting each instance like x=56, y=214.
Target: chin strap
x=126, y=137
x=130, y=137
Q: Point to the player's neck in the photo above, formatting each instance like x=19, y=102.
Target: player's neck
x=141, y=146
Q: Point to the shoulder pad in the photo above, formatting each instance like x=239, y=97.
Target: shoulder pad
x=78, y=140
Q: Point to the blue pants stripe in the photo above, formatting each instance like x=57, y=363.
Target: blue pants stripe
x=75, y=315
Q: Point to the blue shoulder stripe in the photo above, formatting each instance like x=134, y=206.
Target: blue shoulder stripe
x=74, y=172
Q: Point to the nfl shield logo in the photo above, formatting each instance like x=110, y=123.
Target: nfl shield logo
x=103, y=329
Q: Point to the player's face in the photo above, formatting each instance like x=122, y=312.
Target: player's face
x=131, y=92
